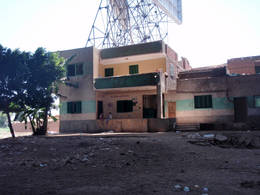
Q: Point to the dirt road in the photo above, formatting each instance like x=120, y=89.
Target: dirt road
x=158, y=163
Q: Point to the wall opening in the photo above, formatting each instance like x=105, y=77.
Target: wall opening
x=149, y=106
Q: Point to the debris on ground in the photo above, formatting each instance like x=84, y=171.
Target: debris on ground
x=245, y=140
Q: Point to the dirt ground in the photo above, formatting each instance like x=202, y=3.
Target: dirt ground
x=155, y=163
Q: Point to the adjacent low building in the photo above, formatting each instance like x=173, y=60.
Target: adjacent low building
x=145, y=87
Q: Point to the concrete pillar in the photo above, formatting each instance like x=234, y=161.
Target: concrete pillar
x=159, y=97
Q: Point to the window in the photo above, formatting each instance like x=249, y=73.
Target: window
x=74, y=107
x=75, y=69
x=171, y=70
x=109, y=72
x=125, y=106
x=203, y=101
x=257, y=101
x=257, y=67
x=133, y=69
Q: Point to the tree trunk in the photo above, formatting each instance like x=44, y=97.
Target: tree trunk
x=33, y=128
x=45, y=120
x=10, y=124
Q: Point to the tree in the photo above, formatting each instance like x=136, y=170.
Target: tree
x=12, y=80
x=45, y=70
x=27, y=84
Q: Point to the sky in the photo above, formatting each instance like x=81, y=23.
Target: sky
x=212, y=30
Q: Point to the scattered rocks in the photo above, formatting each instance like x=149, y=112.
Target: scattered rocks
x=226, y=141
x=195, y=188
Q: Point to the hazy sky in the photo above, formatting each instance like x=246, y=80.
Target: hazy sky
x=212, y=30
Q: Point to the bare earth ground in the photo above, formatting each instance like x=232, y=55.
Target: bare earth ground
x=155, y=163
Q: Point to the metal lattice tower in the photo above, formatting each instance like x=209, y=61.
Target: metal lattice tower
x=127, y=22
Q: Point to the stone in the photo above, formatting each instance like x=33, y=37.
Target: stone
x=209, y=136
x=186, y=189
x=221, y=138
x=177, y=187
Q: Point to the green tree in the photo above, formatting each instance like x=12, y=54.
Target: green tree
x=27, y=84
x=12, y=81
x=45, y=69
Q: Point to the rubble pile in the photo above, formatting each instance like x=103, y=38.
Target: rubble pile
x=228, y=140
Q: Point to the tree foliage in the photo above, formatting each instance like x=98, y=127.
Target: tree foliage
x=27, y=84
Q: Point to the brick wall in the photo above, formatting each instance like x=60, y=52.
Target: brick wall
x=244, y=65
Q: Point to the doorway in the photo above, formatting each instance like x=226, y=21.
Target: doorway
x=240, y=109
x=149, y=106
x=171, y=109
x=100, y=109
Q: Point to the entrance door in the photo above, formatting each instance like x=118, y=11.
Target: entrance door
x=240, y=108
x=172, y=109
x=100, y=108
x=149, y=106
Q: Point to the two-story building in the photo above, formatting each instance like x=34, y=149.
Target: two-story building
x=145, y=87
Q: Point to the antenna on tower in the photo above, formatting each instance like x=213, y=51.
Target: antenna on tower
x=126, y=22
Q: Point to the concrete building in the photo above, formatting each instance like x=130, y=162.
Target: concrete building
x=145, y=87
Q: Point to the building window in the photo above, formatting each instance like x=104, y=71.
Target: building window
x=257, y=67
x=133, y=69
x=203, y=101
x=109, y=72
x=124, y=106
x=257, y=101
x=171, y=70
x=74, y=107
x=75, y=69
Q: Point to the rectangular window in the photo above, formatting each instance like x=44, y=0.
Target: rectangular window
x=133, y=69
x=257, y=67
x=257, y=101
x=203, y=101
x=71, y=70
x=124, y=106
x=74, y=107
x=79, y=69
x=109, y=72
x=75, y=69
x=171, y=70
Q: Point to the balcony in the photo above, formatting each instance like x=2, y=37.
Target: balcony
x=120, y=82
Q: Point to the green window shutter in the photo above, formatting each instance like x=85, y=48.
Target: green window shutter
x=124, y=106
x=257, y=101
x=79, y=69
x=109, y=72
x=257, y=69
x=133, y=69
x=203, y=101
x=74, y=107
x=69, y=107
x=78, y=107
x=71, y=70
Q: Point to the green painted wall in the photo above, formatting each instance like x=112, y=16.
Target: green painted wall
x=138, y=49
x=126, y=81
x=218, y=103
x=63, y=108
x=87, y=107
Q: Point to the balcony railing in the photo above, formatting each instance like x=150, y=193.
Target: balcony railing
x=136, y=80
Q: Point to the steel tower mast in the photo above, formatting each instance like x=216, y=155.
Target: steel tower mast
x=127, y=22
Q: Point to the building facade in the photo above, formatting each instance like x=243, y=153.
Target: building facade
x=145, y=87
